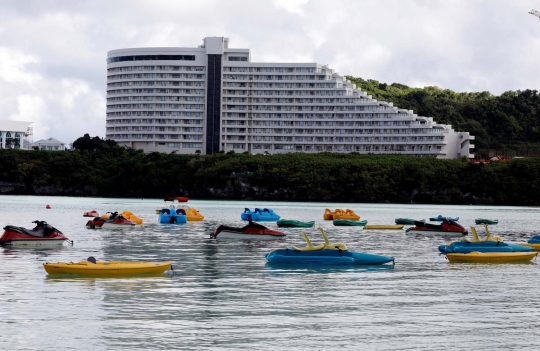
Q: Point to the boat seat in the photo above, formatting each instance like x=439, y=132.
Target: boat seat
x=336, y=246
x=91, y=259
x=475, y=238
x=332, y=246
x=326, y=246
x=428, y=225
x=478, y=240
x=309, y=246
x=38, y=233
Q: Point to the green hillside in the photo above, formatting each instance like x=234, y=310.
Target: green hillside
x=509, y=123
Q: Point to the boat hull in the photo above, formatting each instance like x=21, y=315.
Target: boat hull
x=486, y=221
x=248, y=236
x=33, y=242
x=435, y=232
x=488, y=246
x=259, y=218
x=292, y=256
x=107, y=268
x=346, y=217
x=285, y=223
x=324, y=260
x=491, y=257
x=117, y=225
x=407, y=221
x=348, y=223
x=383, y=227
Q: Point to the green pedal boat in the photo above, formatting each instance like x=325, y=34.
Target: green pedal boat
x=346, y=222
x=290, y=223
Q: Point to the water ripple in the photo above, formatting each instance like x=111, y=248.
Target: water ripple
x=224, y=296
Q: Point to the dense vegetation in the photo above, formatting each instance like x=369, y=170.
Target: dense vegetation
x=509, y=123
x=102, y=168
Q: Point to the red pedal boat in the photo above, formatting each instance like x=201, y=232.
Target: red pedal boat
x=177, y=198
x=42, y=235
x=446, y=228
x=253, y=231
x=115, y=221
x=92, y=213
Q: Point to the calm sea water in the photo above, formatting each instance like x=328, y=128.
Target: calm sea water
x=223, y=294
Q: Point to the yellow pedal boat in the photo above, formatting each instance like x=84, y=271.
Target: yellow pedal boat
x=329, y=215
x=491, y=257
x=384, y=226
x=129, y=215
x=106, y=268
x=536, y=247
x=348, y=214
x=192, y=214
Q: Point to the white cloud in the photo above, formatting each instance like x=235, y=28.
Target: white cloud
x=12, y=66
x=292, y=6
x=52, y=54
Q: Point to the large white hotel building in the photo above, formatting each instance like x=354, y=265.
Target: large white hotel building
x=213, y=98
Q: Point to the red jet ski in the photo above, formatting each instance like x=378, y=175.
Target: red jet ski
x=115, y=221
x=252, y=231
x=42, y=235
x=446, y=228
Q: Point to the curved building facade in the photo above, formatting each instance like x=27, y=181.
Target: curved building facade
x=213, y=98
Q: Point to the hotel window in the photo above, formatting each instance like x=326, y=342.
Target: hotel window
x=237, y=58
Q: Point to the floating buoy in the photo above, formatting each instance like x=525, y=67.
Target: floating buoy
x=48, y=207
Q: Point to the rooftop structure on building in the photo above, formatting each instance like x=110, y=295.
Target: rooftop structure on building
x=213, y=98
x=50, y=144
x=15, y=134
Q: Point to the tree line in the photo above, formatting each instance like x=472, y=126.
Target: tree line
x=98, y=167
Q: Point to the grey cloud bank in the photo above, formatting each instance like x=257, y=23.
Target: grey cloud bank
x=52, y=53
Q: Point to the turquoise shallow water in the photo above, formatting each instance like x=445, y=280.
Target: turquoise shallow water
x=224, y=295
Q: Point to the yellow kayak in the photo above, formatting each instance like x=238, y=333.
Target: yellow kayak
x=384, y=226
x=491, y=257
x=129, y=215
x=106, y=268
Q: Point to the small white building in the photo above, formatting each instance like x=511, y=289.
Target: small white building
x=50, y=144
x=15, y=135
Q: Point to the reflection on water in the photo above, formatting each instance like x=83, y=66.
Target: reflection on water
x=310, y=268
x=224, y=295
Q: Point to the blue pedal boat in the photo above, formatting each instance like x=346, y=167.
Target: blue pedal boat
x=264, y=215
x=325, y=254
x=173, y=216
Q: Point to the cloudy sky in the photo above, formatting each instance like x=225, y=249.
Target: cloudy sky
x=52, y=52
